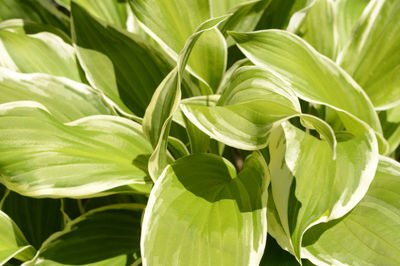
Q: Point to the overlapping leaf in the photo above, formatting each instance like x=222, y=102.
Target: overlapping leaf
x=42, y=157
x=127, y=70
x=42, y=52
x=373, y=55
x=104, y=236
x=252, y=101
x=12, y=241
x=201, y=213
x=65, y=99
x=369, y=234
x=309, y=187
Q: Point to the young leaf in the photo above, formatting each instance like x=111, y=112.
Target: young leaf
x=369, y=234
x=126, y=69
x=42, y=157
x=65, y=99
x=201, y=213
x=309, y=187
x=12, y=241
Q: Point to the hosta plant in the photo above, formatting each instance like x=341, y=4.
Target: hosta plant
x=199, y=132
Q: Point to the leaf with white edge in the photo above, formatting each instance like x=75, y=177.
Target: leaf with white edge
x=312, y=77
x=369, y=234
x=309, y=187
x=12, y=241
x=373, y=56
x=159, y=113
x=98, y=237
x=201, y=212
x=83, y=158
x=66, y=100
x=42, y=52
x=253, y=102
x=120, y=64
x=180, y=19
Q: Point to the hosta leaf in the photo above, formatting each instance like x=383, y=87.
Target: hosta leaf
x=40, y=11
x=312, y=77
x=369, y=234
x=373, y=56
x=65, y=99
x=252, y=101
x=158, y=117
x=95, y=238
x=42, y=52
x=173, y=21
x=37, y=218
x=12, y=241
x=42, y=157
x=113, y=11
x=201, y=213
x=309, y=187
x=127, y=70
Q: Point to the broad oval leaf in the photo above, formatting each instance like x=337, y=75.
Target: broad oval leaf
x=369, y=234
x=201, y=213
x=373, y=56
x=42, y=52
x=309, y=187
x=12, y=241
x=66, y=100
x=312, y=76
x=99, y=237
x=126, y=69
x=42, y=157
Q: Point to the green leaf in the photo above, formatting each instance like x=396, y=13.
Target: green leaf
x=313, y=77
x=369, y=234
x=12, y=241
x=39, y=156
x=126, y=69
x=114, y=12
x=40, y=11
x=309, y=187
x=373, y=56
x=227, y=213
x=42, y=52
x=180, y=19
x=253, y=102
x=158, y=117
x=94, y=238
x=37, y=218
x=65, y=99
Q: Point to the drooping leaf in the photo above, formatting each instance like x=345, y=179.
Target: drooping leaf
x=313, y=77
x=201, y=213
x=12, y=241
x=369, y=234
x=126, y=69
x=309, y=187
x=37, y=218
x=172, y=22
x=372, y=57
x=42, y=157
x=66, y=100
x=104, y=236
x=253, y=101
x=42, y=52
